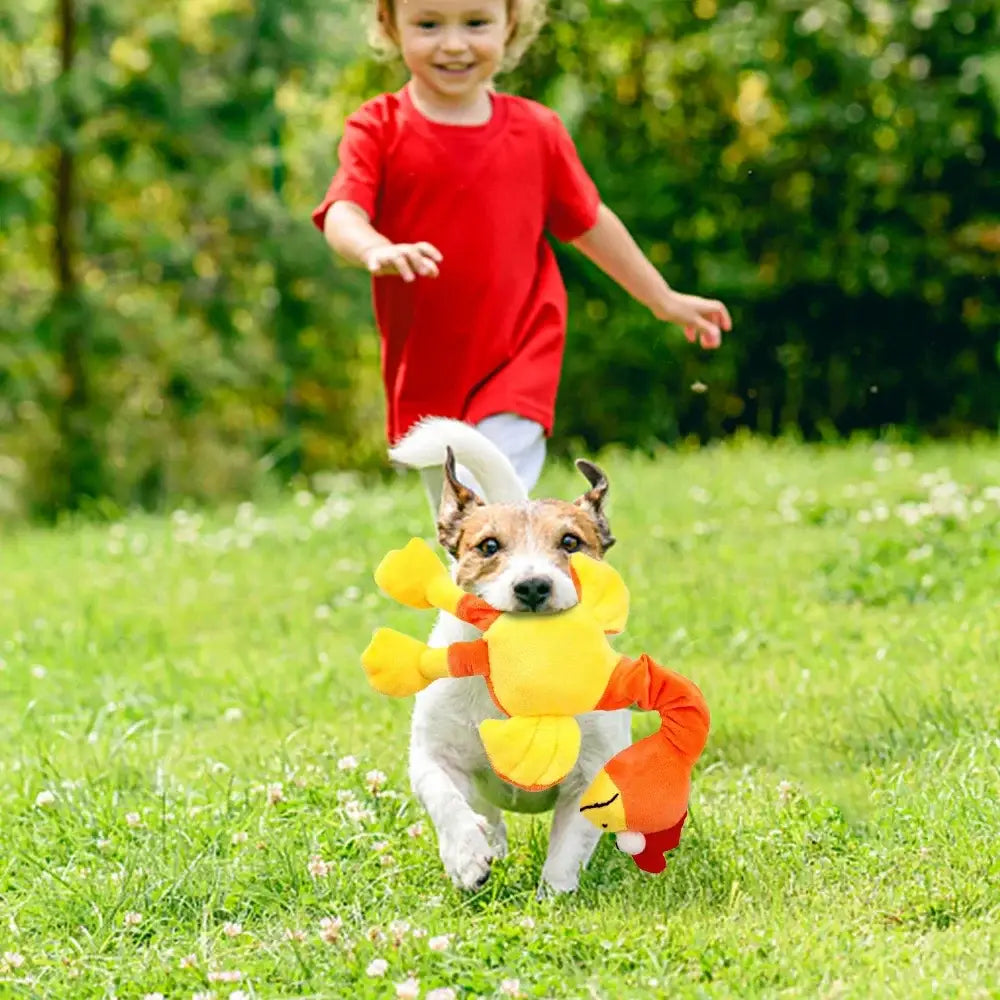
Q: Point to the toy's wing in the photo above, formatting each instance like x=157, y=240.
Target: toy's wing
x=411, y=573
x=602, y=591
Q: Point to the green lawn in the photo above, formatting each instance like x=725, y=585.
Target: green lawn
x=178, y=697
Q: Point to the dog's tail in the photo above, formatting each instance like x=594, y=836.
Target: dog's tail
x=425, y=446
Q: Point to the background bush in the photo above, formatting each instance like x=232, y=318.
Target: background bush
x=174, y=327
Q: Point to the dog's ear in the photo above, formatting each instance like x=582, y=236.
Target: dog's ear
x=456, y=503
x=593, y=501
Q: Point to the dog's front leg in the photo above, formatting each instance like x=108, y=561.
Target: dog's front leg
x=444, y=751
x=571, y=843
x=572, y=839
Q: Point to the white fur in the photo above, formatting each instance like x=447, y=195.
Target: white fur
x=424, y=448
x=499, y=591
x=449, y=771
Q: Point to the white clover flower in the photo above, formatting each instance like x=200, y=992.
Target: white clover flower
x=329, y=929
x=377, y=967
x=225, y=976
x=375, y=780
x=357, y=813
x=318, y=868
x=409, y=989
x=45, y=798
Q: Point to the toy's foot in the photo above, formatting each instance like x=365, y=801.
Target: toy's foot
x=405, y=574
x=392, y=663
x=650, y=857
x=532, y=752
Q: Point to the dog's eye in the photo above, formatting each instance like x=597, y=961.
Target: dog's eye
x=570, y=542
x=488, y=547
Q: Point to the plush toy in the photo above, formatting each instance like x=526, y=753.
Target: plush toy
x=541, y=671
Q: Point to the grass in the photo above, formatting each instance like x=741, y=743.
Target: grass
x=179, y=696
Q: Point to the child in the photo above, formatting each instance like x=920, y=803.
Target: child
x=444, y=193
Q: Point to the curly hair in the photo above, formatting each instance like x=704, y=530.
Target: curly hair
x=528, y=16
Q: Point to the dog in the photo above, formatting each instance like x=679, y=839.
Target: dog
x=514, y=553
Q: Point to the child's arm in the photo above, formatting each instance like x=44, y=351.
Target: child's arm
x=349, y=231
x=611, y=247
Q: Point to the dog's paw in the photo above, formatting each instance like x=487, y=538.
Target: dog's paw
x=467, y=854
x=554, y=886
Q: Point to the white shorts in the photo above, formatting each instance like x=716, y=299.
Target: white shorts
x=520, y=439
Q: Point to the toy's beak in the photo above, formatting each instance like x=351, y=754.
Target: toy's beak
x=602, y=804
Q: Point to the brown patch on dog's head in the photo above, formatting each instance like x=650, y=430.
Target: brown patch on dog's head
x=516, y=556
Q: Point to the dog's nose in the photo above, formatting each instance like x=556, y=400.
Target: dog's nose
x=533, y=592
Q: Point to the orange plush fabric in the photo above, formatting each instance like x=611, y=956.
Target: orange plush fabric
x=654, y=774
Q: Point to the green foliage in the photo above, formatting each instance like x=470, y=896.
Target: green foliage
x=215, y=347
x=823, y=166
x=175, y=713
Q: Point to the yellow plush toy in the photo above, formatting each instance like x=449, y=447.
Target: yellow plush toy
x=542, y=670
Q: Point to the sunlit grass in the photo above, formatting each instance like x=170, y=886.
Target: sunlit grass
x=201, y=795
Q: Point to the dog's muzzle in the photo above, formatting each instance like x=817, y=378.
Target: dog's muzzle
x=533, y=592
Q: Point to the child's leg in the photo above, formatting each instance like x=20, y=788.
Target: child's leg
x=521, y=440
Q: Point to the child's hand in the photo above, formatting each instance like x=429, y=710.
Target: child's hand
x=408, y=260
x=702, y=319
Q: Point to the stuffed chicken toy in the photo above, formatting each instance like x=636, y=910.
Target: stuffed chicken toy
x=542, y=670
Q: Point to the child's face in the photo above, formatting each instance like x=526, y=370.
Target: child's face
x=453, y=48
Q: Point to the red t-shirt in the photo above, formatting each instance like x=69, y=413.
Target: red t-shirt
x=487, y=335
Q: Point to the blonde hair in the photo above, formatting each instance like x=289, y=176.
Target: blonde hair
x=527, y=16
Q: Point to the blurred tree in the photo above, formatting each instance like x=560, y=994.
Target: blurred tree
x=186, y=328
x=174, y=327
x=823, y=166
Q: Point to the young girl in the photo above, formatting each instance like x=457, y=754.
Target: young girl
x=444, y=193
